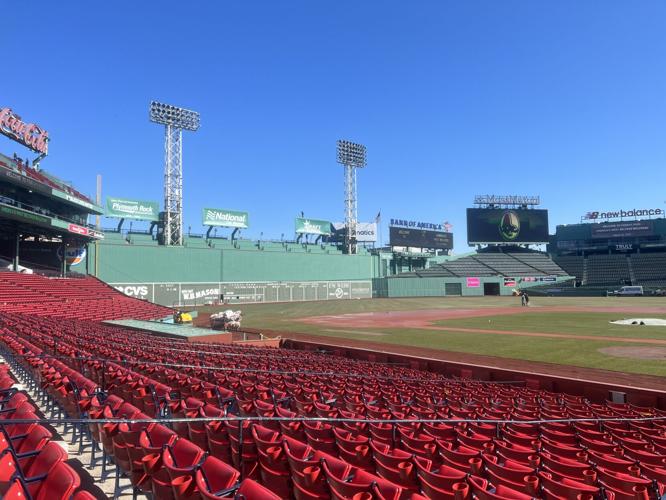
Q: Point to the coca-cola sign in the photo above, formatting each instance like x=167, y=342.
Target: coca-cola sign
x=28, y=134
x=73, y=228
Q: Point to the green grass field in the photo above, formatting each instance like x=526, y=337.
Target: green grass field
x=540, y=318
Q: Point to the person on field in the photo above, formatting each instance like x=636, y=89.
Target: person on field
x=522, y=298
x=527, y=299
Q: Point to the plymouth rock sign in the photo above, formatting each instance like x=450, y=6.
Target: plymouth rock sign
x=30, y=135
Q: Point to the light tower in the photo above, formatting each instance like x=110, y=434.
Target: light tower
x=352, y=156
x=175, y=120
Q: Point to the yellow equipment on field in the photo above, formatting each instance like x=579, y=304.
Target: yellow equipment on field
x=181, y=317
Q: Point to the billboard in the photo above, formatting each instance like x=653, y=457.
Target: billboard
x=499, y=225
x=473, y=282
x=415, y=224
x=224, y=218
x=366, y=232
x=132, y=209
x=30, y=135
x=312, y=226
x=403, y=237
x=618, y=214
x=628, y=229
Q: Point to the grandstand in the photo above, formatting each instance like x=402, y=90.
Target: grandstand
x=82, y=298
x=609, y=254
x=494, y=264
x=43, y=220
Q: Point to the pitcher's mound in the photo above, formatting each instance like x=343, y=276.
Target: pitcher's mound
x=641, y=321
x=635, y=352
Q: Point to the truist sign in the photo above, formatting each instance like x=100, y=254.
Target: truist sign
x=28, y=134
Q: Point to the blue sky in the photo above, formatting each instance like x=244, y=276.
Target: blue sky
x=563, y=99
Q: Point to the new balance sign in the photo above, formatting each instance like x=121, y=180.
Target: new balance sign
x=617, y=214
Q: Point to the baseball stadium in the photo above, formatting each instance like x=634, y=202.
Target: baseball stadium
x=143, y=360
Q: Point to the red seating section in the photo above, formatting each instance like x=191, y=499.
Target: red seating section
x=81, y=298
x=31, y=464
x=143, y=376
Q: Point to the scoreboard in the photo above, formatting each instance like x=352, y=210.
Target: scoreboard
x=405, y=237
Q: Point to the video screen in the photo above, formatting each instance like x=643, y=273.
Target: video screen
x=506, y=225
x=624, y=229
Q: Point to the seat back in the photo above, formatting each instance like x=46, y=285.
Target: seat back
x=35, y=440
x=60, y=484
x=51, y=455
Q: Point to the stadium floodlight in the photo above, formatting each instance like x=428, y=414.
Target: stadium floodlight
x=175, y=120
x=166, y=114
x=351, y=155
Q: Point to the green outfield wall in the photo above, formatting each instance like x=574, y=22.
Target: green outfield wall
x=235, y=272
x=205, y=271
x=120, y=262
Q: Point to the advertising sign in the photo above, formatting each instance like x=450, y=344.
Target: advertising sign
x=30, y=135
x=137, y=290
x=536, y=279
x=225, y=218
x=618, y=214
x=473, y=282
x=403, y=237
x=73, y=255
x=197, y=293
x=510, y=282
x=312, y=226
x=337, y=291
x=628, y=229
x=132, y=209
x=414, y=224
x=23, y=215
x=497, y=225
x=76, y=229
x=624, y=247
x=23, y=180
x=366, y=232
